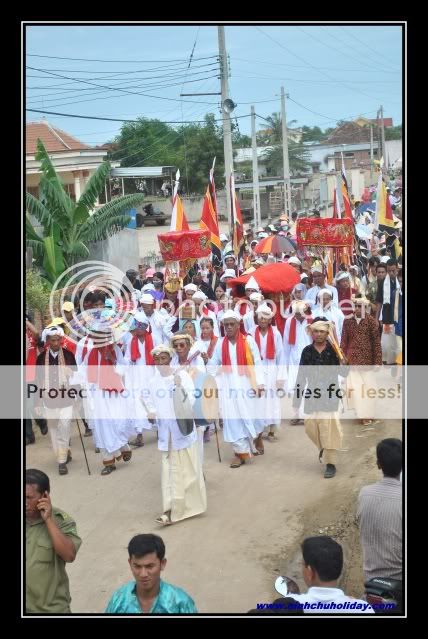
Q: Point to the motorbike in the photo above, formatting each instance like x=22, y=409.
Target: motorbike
x=381, y=592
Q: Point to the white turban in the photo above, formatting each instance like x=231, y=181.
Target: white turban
x=320, y=325
x=52, y=331
x=231, y=315
x=324, y=291
x=148, y=287
x=256, y=297
x=199, y=295
x=146, y=298
x=294, y=260
x=162, y=348
x=317, y=269
x=265, y=310
x=229, y=272
x=191, y=287
x=343, y=275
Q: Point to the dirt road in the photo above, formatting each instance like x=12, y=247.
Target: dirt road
x=257, y=516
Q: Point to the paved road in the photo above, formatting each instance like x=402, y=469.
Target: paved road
x=228, y=558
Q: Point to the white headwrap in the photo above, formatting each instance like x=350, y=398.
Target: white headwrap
x=52, y=331
x=231, y=315
x=146, y=298
x=342, y=276
x=229, y=272
x=294, y=260
x=256, y=297
x=162, y=348
x=191, y=287
x=264, y=309
x=199, y=295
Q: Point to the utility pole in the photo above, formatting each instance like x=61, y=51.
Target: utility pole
x=227, y=132
x=256, y=189
x=286, y=164
x=382, y=131
x=371, y=154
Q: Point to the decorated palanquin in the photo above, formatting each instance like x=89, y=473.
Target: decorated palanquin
x=180, y=250
x=329, y=232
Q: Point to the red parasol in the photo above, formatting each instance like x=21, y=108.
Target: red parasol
x=272, y=278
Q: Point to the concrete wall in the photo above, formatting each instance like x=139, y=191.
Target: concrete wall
x=121, y=250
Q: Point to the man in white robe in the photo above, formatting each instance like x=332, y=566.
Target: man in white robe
x=160, y=321
x=319, y=280
x=241, y=383
x=296, y=338
x=326, y=308
x=273, y=368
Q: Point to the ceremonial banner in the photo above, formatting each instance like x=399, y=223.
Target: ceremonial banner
x=209, y=219
x=325, y=232
x=182, y=245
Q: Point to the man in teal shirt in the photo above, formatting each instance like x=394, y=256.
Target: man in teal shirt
x=148, y=593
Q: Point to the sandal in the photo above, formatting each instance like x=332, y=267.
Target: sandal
x=164, y=520
x=126, y=455
x=297, y=422
x=237, y=463
x=260, y=451
x=108, y=469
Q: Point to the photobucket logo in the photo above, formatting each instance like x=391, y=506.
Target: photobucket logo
x=77, y=285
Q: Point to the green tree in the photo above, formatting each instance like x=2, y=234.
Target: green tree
x=312, y=134
x=299, y=158
x=394, y=132
x=67, y=226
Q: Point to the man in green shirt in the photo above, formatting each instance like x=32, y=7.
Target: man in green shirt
x=148, y=593
x=51, y=541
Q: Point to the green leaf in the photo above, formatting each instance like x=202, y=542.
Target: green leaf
x=109, y=219
x=92, y=190
x=38, y=210
x=53, y=262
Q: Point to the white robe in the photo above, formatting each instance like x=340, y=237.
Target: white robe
x=138, y=379
x=311, y=294
x=239, y=408
x=110, y=414
x=210, y=315
x=273, y=370
x=161, y=324
x=293, y=352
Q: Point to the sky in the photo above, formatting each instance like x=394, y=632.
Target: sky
x=330, y=72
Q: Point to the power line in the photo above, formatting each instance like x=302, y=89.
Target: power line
x=316, y=68
x=54, y=57
x=100, y=86
x=293, y=66
x=329, y=46
x=93, y=117
x=371, y=49
x=103, y=92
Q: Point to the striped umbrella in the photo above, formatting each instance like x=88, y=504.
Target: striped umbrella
x=275, y=244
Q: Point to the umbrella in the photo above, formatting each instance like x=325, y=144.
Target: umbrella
x=272, y=278
x=275, y=244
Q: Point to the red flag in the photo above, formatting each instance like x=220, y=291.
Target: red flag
x=209, y=219
x=237, y=224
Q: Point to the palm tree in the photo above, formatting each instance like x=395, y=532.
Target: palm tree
x=298, y=157
x=273, y=135
x=67, y=226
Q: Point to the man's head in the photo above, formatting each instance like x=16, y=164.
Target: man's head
x=142, y=268
x=361, y=306
x=88, y=300
x=343, y=280
x=189, y=328
x=181, y=343
x=37, y=485
x=162, y=355
x=230, y=262
x=319, y=330
x=190, y=290
x=99, y=300
x=264, y=316
x=147, y=303
x=197, y=278
x=318, y=277
x=231, y=322
x=147, y=560
x=322, y=561
x=390, y=457
x=380, y=272
x=325, y=297
x=392, y=267
x=373, y=262
x=131, y=274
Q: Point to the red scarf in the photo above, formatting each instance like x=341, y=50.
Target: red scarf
x=108, y=378
x=292, y=333
x=243, y=355
x=212, y=346
x=69, y=345
x=148, y=347
x=270, y=346
x=85, y=347
x=30, y=370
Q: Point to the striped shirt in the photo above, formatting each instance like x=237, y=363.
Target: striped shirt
x=379, y=516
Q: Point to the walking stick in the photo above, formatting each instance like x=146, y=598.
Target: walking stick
x=83, y=446
x=216, y=436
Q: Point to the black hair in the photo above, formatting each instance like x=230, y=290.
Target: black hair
x=221, y=285
x=189, y=322
x=207, y=319
x=319, y=319
x=324, y=556
x=380, y=265
x=88, y=298
x=141, y=545
x=390, y=456
x=392, y=262
x=99, y=295
x=374, y=260
x=39, y=479
x=159, y=275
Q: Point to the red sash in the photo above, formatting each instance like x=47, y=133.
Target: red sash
x=148, y=347
x=270, y=346
x=108, y=378
x=212, y=346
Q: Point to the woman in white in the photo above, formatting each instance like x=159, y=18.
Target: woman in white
x=206, y=345
x=202, y=311
x=296, y=338
x=183, y=486
x=187, y=357
x=269, y=341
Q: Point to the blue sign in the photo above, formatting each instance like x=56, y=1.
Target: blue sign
x=133, y=222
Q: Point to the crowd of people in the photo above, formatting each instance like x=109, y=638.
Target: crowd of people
x=153, y=344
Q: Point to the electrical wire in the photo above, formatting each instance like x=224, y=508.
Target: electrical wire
x=55, y=57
